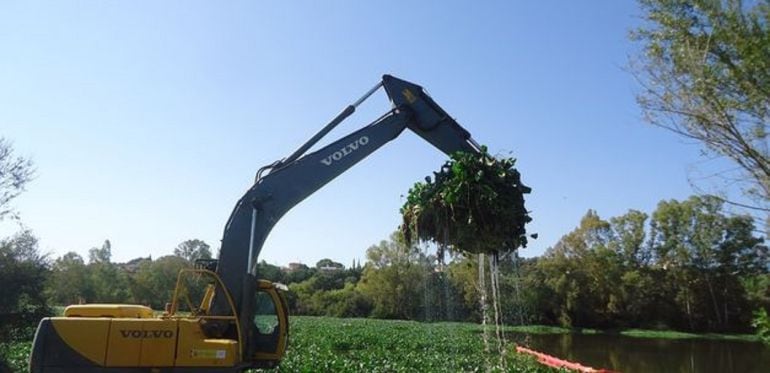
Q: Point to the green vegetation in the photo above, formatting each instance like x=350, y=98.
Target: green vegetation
x=670, y=334
x=762, y=323
x=23, y=274
x=141, y=280
x=15, y=356
x=636, y=333
x=546, y=329
x=472, y=196
x=662, y=271
x=15, y=348
x=320, y=344
x=704, y=72
x=690, y=267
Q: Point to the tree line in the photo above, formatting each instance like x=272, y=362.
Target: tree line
x=687, y=266
x=34, y=283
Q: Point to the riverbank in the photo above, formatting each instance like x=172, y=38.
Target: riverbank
x=636, y=333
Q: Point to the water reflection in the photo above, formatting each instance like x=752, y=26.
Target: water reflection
x=633, y=355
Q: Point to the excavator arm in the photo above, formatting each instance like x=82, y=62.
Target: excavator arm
x=241, y=322
x=283, y=184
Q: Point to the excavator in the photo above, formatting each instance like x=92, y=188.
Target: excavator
x=222, y=318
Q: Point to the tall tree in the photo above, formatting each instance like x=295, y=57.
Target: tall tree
x=392, y=279
x=702, y=252
x=193, y=250
x=15, y=172
x=109, y=283
x=575, y=273
x=100, y=254
x=629, y=238
x=705, y=69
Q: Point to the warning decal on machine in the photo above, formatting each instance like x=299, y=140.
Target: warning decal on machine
x=208, y=354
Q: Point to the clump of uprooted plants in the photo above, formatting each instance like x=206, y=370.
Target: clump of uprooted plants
x=474, y=204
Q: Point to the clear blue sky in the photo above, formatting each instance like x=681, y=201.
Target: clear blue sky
x=147, y=120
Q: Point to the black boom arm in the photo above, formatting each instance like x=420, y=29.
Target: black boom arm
x=291, y=180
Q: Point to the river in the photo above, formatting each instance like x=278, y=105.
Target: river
x=635, y=355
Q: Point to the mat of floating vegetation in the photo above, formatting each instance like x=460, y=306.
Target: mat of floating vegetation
x=473, y=204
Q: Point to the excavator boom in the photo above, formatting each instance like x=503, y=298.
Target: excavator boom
x=291, y=180
x=241, y=322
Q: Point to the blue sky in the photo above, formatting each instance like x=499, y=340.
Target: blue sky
x=147, y=120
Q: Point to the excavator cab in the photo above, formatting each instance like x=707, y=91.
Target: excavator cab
x=269, y=329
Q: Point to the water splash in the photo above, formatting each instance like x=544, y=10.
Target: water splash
x=484, y=307
x=494, y=274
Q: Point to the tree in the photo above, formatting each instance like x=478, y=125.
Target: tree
x=692, y=267
x=299, y=273
x=269, y=272
x=328, y=264
x=69, y=282
x=109, y=283
x=392, y=279
x=154, y=282
x=574, y=273
x=15, y=172
x=193, y=250
x=705, y=69
x=100, y=254
x=463, y=275
x=23, y=274
x=628, y=241
x=702, y=253
x=348, y=302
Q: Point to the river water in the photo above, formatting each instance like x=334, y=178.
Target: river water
x=634, y=355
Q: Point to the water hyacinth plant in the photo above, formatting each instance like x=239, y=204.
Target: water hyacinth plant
x=473, y=204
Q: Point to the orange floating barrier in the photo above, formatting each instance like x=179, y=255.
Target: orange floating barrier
x=555, y=362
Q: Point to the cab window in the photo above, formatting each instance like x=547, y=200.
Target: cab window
x=265, y=315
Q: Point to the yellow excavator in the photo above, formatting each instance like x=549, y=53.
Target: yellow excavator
x=222, y=318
